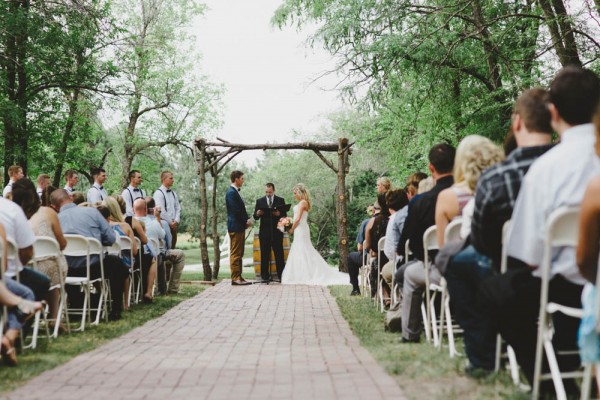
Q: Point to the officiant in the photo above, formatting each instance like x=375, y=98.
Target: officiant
x=269, y=209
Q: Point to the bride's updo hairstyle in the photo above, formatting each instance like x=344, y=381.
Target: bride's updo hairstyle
x=302, y=191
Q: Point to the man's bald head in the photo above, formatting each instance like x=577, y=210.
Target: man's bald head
x=59, y=198
x=139, y=207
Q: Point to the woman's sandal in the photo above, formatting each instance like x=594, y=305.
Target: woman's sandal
x=26, y=309
x=8, y=353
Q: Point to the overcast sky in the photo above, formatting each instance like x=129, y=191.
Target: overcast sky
x=267, y=73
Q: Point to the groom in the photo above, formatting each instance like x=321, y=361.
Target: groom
x=237, y=222
x=270, y=237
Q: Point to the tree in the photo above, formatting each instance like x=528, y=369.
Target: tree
x=168, y=101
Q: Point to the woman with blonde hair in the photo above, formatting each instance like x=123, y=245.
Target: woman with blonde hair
x=384, y=185
x=304, y=265
x=474, y=155
x=122, y=228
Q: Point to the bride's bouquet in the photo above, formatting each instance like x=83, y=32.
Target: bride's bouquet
x=284, y=224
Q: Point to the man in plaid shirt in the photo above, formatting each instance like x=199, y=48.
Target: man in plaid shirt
x=495, y=198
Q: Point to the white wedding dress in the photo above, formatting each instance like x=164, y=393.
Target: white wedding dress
x=304, y=265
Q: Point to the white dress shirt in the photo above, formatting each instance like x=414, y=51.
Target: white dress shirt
x=558, y=178
x=168, y=202
x=69, y=189
x=130, y=194
x=96, y=193
x=17, y=229
x=7, y=188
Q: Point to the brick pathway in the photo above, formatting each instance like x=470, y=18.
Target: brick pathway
x=258, y=342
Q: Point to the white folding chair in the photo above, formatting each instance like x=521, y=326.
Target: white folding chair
x=96, y=248
x=365, y=270
x=510, y=355
x=380, y=246
x=114, y=249
x=561, y=230
x=46, y=247
x=451, y=233
x=126, y=245
x=139, y=271
x=224, y=248
x=78, y=246
x=429, y=243
x=13, y=254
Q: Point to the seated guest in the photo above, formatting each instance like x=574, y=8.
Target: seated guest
x=396, y=200
x=153, y=231
x=122, y=228
x=138, y=230
x=18, y=230
x=78, y=198
x=557, y=178
x=18, y=299
x=588, y=249
x=88, y=222
x=375, y=230
x=495, y=196
x=426, y=185
x=473, y=155
x=45, y=197
x=43, y=181
x=44, y=222
x=383, y=185
x=355, y=258
x=421, y=215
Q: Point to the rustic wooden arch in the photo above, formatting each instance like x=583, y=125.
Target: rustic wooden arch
x=211, y=157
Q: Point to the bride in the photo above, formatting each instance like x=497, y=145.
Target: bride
x=304, y=265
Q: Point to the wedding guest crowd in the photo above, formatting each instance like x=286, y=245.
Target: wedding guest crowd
x=483, y=188
x=29, y=212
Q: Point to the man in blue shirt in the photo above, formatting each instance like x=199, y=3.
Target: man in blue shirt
x=88, y=222
x=355, y=260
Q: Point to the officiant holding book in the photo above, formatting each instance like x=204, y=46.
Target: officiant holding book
x=269, y=209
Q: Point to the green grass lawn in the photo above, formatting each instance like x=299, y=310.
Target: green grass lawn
x=60, y=350
x=422, y=371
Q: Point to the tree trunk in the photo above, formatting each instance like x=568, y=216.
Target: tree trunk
x=214, y=220
x=563, y=42
x=341, y=205
x=201, y=159
x=64, y=146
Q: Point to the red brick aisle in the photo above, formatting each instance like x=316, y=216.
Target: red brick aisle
x=258, y=342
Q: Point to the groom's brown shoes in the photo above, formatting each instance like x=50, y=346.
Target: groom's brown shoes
x=240, y=282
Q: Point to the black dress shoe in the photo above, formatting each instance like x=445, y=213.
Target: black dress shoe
x=276, y=280
x=240, y=283
x=355, y=292
x=265, y=281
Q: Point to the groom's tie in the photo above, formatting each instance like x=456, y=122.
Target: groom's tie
x=269, y=201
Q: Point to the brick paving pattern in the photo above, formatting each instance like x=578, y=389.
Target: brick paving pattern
x=258, y=342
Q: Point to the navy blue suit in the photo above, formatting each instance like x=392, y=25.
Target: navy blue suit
x=237, y=217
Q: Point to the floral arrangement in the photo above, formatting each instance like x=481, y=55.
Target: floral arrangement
x=284, y=224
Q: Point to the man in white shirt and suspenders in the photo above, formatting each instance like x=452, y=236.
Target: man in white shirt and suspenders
x=97, y=193
x=133, y=192
x=168, y=202
x=72, y=178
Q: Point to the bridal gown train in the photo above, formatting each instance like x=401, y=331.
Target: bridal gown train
x=304, y=265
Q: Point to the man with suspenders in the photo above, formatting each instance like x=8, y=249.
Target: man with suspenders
x=97, y=193
x=168, y=202
x=132, y=192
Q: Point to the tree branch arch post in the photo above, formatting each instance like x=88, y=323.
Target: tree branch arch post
x=210, y=160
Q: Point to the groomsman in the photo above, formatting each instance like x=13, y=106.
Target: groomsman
x=237, y=222
x=133, y=191
x=72, y=178
x=43, y=181
x=167, y=200
x=15, y=173
x=97, y=192
x=270, y=237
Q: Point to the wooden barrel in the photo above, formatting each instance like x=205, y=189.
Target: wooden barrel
x=273, y=266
